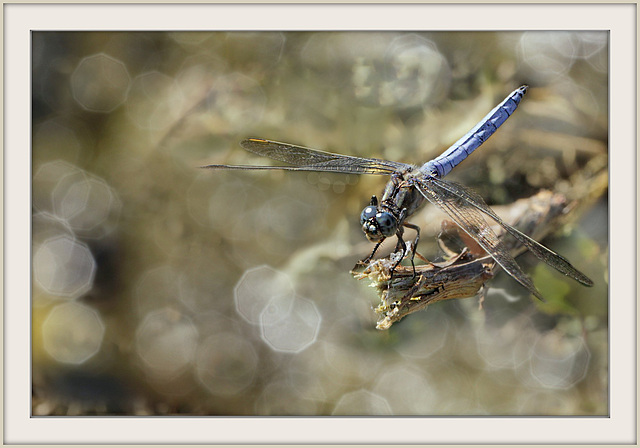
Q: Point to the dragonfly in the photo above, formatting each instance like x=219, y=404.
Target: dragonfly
x=408, y=187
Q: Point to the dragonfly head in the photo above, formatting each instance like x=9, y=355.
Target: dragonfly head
x=377, y=225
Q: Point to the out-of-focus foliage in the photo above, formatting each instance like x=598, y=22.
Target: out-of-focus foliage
x=160, y=288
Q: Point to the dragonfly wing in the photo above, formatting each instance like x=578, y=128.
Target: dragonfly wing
x=543, y=253
x=325, y=168
x=320, y=160
x=472, y=222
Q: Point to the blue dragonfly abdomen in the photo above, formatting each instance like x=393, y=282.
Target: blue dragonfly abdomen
x=460, y=150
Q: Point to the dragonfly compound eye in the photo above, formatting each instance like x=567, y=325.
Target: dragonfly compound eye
x=387, y=223
x=378, y=225
x=368, y=213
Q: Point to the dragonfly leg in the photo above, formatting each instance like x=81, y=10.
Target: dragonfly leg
x=403, y=246
x=368, y=259
x=415, y=243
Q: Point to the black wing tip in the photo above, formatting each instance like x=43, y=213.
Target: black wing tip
x=540, y=297
x=586, y=281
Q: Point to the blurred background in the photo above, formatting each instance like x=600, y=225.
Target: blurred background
x=161, y=289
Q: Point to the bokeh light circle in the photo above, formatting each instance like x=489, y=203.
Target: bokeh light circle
x=226, y=364
x=259, y=287
x=72, y=333
x=166, y=342
x=290, y=328
x=100, y=83
x=63, y=266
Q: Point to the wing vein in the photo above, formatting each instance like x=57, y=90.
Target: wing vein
x=545, y=254
x=472, y=222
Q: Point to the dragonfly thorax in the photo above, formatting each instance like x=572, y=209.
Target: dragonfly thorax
x=377, y=224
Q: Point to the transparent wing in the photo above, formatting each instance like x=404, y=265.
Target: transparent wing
x=307, y=159
x=471, y=221
x=543, y=253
